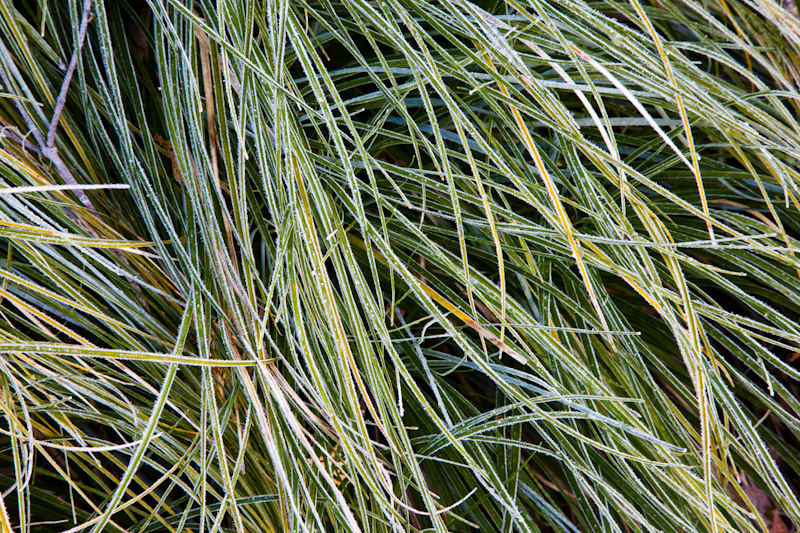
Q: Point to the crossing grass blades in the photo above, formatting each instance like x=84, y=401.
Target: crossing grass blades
x=399, y=266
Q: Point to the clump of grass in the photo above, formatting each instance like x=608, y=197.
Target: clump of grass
x=399, y=266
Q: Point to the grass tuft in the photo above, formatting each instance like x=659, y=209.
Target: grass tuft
x=399, y=266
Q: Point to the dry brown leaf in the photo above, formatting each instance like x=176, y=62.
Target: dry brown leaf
x=777, y=523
